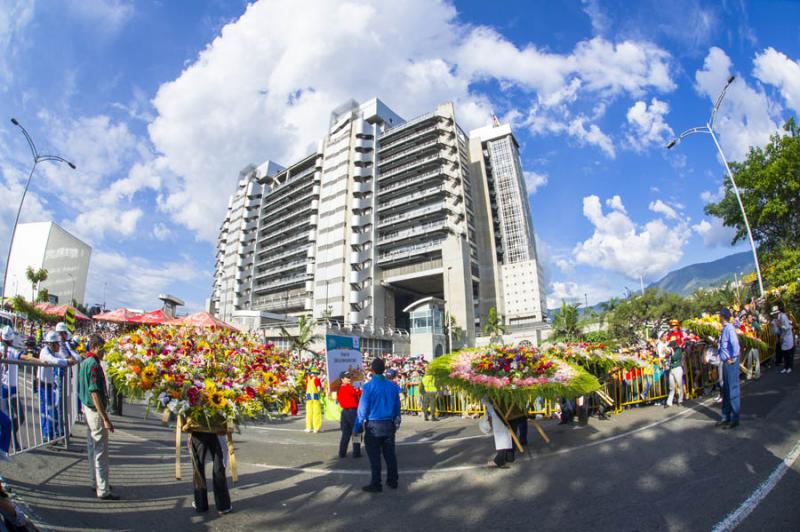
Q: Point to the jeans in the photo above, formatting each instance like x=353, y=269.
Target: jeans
x=675, y=383
x=346, y=424
x=49, y=412
x=568, y=408
x=17, y=413
x=97, y=449
x=201, y=443
x=730, y=392
x=379, y=439
x=5, y=432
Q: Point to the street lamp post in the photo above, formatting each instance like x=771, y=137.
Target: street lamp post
x=709, y=128
x=105, y=284
x=37, y=158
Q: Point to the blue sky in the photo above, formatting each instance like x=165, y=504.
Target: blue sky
x=160, y=104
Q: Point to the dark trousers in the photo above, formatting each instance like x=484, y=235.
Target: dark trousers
x=730, y=392
x=520, y=428
x=201, y=443
x=379, y=439
x=346, y=424
x=567, y=410
x=788, y=357
x=429, y=404
x=504, y=456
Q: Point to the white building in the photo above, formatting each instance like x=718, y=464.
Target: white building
x=46, y=245
x=385, y=213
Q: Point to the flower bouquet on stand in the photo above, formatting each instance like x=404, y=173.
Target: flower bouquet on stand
x=596, y=359
x=710, y=327
x=208, y=379
x=510, y=377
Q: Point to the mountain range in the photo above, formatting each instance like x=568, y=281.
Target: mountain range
x=690, y=278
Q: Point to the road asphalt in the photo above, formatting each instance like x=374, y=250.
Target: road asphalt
x=649, y=468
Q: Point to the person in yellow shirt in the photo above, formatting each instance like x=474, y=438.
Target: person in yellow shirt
x=313, y=402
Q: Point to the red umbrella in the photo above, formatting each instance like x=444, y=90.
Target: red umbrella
x=204, y=319
x=121, y=315
x=60, y=311
x=155, y=317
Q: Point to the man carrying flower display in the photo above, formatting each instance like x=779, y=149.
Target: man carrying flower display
x=204, y=440
x=313, y=403
x=94, y=397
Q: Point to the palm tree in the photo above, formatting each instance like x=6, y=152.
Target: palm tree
x=305, y=336
x=566, y=324
x=451, y=329
x=494, y=327
x=35, y=277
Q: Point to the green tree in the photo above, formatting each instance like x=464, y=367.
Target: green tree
x=36, y=277
x=494, y=327
x=566, y=324
x=43, y=296
x=639, y=316
x=301, y=342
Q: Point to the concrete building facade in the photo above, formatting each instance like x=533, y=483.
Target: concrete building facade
x=386, y=212
x=64, y=256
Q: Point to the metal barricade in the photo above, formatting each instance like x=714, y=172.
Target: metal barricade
x=35, y=413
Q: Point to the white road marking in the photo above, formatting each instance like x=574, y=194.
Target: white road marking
x=736, y=517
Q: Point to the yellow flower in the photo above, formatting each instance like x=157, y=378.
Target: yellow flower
x=211, y=388
x=217, y=400
x=149, y=372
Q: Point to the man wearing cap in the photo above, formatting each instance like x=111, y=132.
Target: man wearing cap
x=49, y=406
x=379, y=418
x=784, y=349
x=348, y=396
x=313, y=403
x=94, y=396
x=728, y=353
x=10, y=378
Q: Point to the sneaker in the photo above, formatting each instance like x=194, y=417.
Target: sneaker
x=577, y=427
x=392, y=485
x=783, y=371
x=789, y=371
x=198, y=511
x=722, y=423
x=307, y=430
x=315, y=431
x=369, y=488
x=223, y=512
x=109, y=497
x=731, y=425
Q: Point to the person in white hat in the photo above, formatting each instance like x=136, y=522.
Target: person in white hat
x=782, y=328
x=10, y=378
x=49, y=398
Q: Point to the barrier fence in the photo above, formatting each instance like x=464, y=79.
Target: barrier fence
x=37, y=413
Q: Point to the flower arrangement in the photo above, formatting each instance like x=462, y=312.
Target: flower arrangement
x=711, y=327
x=209, y=377
x=596, y=358
x=507, y=375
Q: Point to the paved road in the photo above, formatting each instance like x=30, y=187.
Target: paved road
x=648, y=469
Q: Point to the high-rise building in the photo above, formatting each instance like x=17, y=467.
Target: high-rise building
x=64, y=256
x=385, y=213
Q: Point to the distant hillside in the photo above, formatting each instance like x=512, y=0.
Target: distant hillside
x=703, y=275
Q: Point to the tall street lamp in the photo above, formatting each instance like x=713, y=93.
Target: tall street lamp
x=709, y=128
x=37, y=158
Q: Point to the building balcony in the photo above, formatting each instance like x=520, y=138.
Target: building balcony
x=416, y=148
x=362, y=172
x=408, y=202
x=299, y=250
x=358, y=297
x=360, y=256
x=360, y=220
x=361, y=203
x=418, y=214
x=361, y=316
x=281, y=283
x=362, y=187
x=415, y=232
x=364, y=144
x=359, y=239
x=400, y=186
x=404, y=253
x=285, y=267
x=359, y=276
x=408, y=166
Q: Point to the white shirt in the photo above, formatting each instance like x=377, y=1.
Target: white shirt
x=787, y=339
x=46, y=374
x=11, y=370
x=67, y=351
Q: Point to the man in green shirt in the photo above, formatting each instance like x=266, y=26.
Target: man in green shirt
x=94, y=397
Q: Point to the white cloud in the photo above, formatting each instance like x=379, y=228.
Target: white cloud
x=709, y=196
x=647, y=124
x=573, y=292
x=659, y=207
x=565, y=265
x=106, y=16
x=745, y=118
x=534, y=180
x=620, y=245
x=14, y=18
x=134, y=281
x=161, y=231
x=714, y=233
x=255, y=94
x=93, y=225
x=615, y=202
x=777, y=69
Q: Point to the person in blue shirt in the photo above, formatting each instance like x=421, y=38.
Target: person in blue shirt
x=379, y=417
x=728, y=352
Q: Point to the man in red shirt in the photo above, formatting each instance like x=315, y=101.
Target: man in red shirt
x=676, y=334
x=348, y=399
